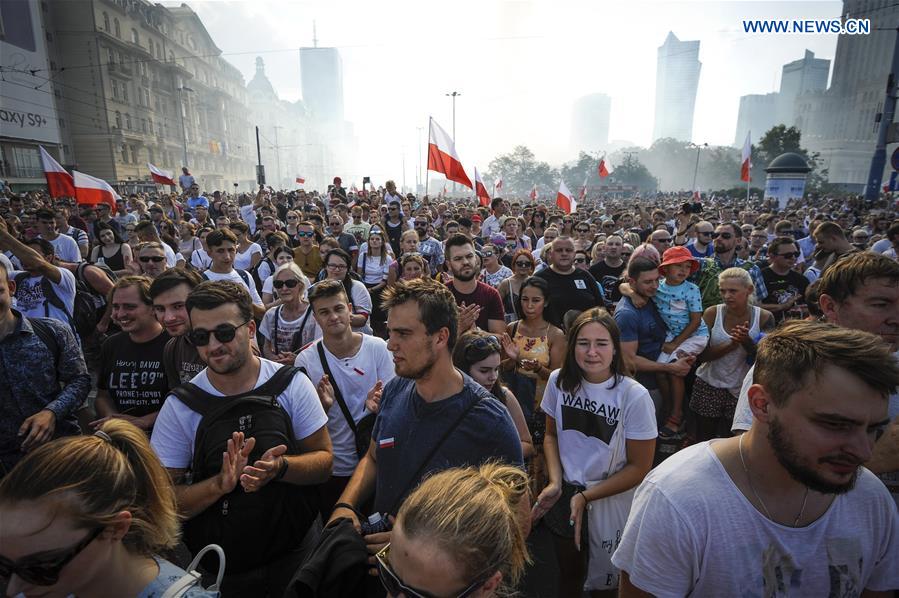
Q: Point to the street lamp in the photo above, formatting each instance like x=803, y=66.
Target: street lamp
x=696, y=170
x=181, y=91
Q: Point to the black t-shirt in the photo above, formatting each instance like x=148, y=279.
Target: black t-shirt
x=133, y=373
x=609, y=277
x=576, y=290
x=781, y=288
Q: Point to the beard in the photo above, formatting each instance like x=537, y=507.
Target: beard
x=407, y=371
x=465, y=277
x=238, y=360
x=788, y=457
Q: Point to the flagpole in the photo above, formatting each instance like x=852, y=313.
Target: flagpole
x=427, y=169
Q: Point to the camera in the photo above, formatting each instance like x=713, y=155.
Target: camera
x=691, y=208
x=375, y=524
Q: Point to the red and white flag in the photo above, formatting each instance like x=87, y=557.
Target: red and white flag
x=59, y=182
x=534, y=195
x=91, y=190
x=498, y=185
x=160, y=176
x=300, y=180
x=442, y=156
x=746, y=159
x=480, y=190
x=603, y=168
x=697, y=195
x=583, y=193
x=565, y=200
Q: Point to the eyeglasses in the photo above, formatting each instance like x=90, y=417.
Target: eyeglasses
x=524, y=264
x=788, y=254
x=666, y=240
x=290, y=284
x=336, y=266
x=45, y=570
x=305, y=234
x=395, y=586
x=583, y=230
x=393, y=208
x=724, y=236
x=151, y=258
x=488, y=254
x=224, y=333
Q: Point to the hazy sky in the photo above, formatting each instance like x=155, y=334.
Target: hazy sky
x=518, y=65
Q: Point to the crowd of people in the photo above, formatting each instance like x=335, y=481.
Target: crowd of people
x=353, y=394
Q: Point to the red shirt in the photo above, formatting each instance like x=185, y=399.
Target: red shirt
x=485, y=296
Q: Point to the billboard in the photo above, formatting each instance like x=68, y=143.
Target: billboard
x=25, y=112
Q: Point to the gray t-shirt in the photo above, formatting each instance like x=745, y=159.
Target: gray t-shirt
x=680, y=542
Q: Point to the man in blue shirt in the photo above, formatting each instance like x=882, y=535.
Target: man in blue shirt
x=432, y=417
x=194, y=199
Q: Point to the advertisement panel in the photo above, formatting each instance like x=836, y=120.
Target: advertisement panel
x=25, y=112
x=784, y=189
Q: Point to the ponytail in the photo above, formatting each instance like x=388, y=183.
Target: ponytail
x=92, y=478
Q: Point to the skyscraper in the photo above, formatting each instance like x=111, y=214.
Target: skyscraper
x=808, y=74
x=321, y=77
x=758, y=113
x=677, y=77
x=590, y=122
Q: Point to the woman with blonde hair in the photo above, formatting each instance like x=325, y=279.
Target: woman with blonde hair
x=289, y=324
x=88, y=516
x=735, y=326
x=460, y=533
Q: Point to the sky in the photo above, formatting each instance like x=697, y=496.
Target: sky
x=519, y=65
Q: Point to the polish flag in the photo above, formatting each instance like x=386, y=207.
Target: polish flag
x=583, y=194
x=565, y=200
x=697, y=195
x=534, y=195
x=160, y=176
x=480, y=190
x=603, y=169
x=746, y=159
x=300, y=180
x=498, y=185
x=59, y=182
x=442, y=156
x=91, y=190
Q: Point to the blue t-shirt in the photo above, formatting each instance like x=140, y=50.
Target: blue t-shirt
x=645, y=326
x=676, y=303
x=408, y=428
x=193, y=202
x=168, y=575
x=709, y=250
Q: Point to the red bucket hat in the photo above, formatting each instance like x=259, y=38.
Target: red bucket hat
x=678, y=255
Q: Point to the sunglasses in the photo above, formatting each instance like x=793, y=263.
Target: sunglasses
x=788, y=254
x=151, y=258
x=45, y=570
x=524, y=264
x=580, y=260
x=304, y=234
x=395, y=586
x=724, y=236
x=488, y=254
x=666, y=241
x=290, y=284
x=224, y=333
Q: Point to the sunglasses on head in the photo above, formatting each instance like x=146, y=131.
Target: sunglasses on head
x=724, y=236
x=151, y=258
x=225, y=333
x=290, y=284
x=44, y=570
x=395, y=586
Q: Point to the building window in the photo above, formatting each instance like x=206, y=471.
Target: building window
x=127, y=121
x=118, y=30
x=124, y=154
x=150, y=45
x=118, y=119
x=125, y=92
x=134, y=37
x=135, y=154
x=106, y=22
x=143, y=125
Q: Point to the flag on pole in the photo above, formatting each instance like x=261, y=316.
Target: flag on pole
x=160, y=176
x=583, y=194
x=59, y=182
x=534, y=195
x=480, y=189
x=498, y=185
x=603, y=168
x=565, y=200
x=697, y=195
x=442, y=156
x=746, y=159
x=300, y=180
x=91, y=190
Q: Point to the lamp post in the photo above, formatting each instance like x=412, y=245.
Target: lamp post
x=454, y=95
x=696, y=169
x=421, y=176
x=181, y=91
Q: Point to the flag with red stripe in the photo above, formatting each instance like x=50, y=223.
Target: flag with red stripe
x=442, y=156
x=746, y=159
x=565, y=200
x=160, y=176
x=59, y=182
x=92, y=191
x=480, y=189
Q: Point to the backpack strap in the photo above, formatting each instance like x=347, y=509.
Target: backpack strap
x=275, y=335
x=196, y=399
x=245, y=277
x=51, y=298
x=48, y=337
x=203, y=274
x=338, y=396
x=168, y=362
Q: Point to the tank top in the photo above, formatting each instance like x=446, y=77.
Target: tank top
x=728, y=371
x=530, y=347
x=115, y=262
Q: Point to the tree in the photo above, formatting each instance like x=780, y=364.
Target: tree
x=632, y=172
x=781, y=139
x=521, y=171
x=586, y=167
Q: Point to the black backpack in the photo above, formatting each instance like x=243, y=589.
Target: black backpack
x=258, y=527
x=85, y=315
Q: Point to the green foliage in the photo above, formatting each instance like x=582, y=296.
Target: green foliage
x=521, y=171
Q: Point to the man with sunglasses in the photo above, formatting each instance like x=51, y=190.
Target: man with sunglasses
x=784, y=285
x=725, y=240
x=701, y=246
x=429, y=247
x=151, y=260
x=346, y=240
x=222, y=327
x=147, y=233
x=306, y=254
x=132, y=383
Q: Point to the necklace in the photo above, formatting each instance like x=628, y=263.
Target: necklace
x=759, y=498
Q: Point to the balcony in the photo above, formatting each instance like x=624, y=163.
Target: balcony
x=145, y=81
x=123, y=70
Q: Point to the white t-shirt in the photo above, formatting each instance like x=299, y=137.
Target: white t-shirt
x=30, y=296
x=586, y=421
x=361, y=301
x=200, y=259
x=288, y=328
x=236, y=277
x=691, y=532
x=355, y=376
x=66, y=248
x=176, y=426
x=170, y=259
x=248, y=215
x=244, y=261
x=373, y=271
